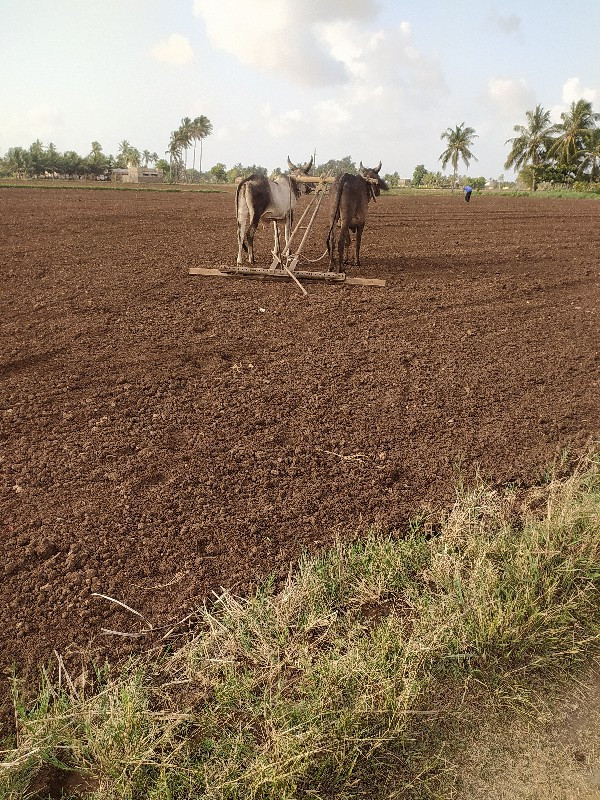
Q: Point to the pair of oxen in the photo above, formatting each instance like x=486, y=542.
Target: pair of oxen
x=259, y=199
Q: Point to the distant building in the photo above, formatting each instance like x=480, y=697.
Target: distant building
x=137, y=175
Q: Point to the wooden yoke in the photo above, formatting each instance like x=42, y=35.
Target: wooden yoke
x=320, y=179
x=314, y=179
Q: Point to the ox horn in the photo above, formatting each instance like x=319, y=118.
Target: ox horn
x=290, y=165
x=308, y=165
x=361, y=169
x=378, y=168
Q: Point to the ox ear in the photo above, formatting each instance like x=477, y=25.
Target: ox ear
x=308, y=165
x=290, y=165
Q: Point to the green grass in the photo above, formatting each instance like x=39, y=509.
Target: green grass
x=544, y=194
x=355, y=678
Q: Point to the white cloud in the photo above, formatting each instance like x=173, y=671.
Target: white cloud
x=572, y=91
x=511, y=97
x=175, y=49
x=390, y=84
x=280, y=36
x=382, y=57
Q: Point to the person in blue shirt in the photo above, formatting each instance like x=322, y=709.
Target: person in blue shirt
x=467, y=190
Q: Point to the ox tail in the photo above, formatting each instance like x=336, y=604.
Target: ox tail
x=336, y=214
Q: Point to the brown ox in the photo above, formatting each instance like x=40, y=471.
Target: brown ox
x=348, y=204
x=259, y=199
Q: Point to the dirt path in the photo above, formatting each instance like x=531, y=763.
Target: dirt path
x=554, y=757
x=164, y=435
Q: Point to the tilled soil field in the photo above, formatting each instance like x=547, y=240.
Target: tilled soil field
x=165, y=435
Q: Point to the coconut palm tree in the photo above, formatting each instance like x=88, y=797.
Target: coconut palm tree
x=96, y=160
x=573, y=132
x=146, y=157
x=589, y=163
x=532, y=144
x=123, y=152
x=174, y=151
x=134, y=157
x=201, y=127
x=185, y=134
x=460, y=140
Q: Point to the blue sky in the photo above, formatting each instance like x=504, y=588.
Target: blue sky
x=372, y=79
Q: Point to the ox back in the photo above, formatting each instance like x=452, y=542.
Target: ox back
x=348, y=206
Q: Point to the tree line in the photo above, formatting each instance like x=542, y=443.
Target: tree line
x=564, y=153
x=561, y=153
x=37, y=161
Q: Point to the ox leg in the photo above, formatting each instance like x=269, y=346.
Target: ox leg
x=347, y=244
x=241, y=233
x=250, y=242
x=276, y=246
x=342, y=248
x=331, y=249
x=359, y=230
x=287, y=231
x=240, y=240
x=246, y=230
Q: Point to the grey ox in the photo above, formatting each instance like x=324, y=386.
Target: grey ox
x=349, y=199
x=259, y=199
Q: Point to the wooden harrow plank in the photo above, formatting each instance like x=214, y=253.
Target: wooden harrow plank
x=259, y=272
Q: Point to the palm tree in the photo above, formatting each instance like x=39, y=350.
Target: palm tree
x=134, y=157
x=573, y=132
x=96, y=160
x=175, y=154
x=146, y=157
x=185, y=134
x=532, y=144
x=590, y=156
x=460, y=140
x=123, y=152
x=153, y=158
x=201, y=127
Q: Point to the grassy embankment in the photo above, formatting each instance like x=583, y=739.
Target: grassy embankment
x=355, y=680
